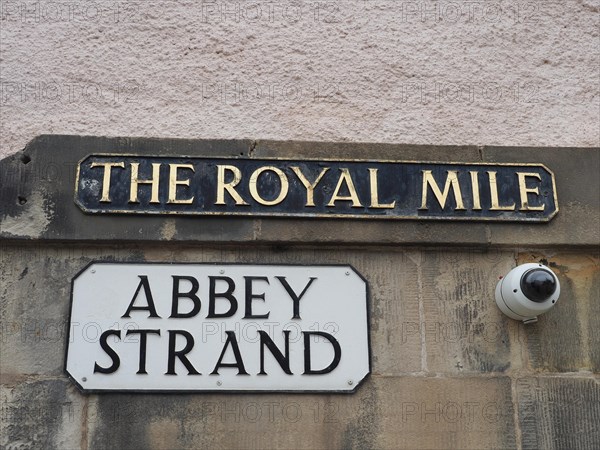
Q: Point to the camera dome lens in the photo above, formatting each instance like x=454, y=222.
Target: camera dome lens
x=538, y=285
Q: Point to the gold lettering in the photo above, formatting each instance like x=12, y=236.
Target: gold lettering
x=229, y=187
x=524, y=190
x=375, y=194
x=133, y=190
x=106, y=178
x=174, y=182
x=310, y=187
x=451, y=180
x=253, y=186
x=475, y=189
x=346, y=178
x=494, y=195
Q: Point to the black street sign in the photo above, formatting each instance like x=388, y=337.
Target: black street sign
x=135, y=184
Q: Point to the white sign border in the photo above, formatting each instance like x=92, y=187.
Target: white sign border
x=87, y=391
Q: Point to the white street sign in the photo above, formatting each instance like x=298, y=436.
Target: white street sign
x=218, y=328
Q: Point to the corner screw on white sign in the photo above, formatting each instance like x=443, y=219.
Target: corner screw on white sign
x=200, y=328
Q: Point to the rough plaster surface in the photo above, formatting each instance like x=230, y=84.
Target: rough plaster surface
x=436, y=72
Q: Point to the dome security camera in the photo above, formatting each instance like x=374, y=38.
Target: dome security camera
x=527, y=291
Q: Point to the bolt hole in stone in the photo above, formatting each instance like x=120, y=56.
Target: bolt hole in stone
x=514, y=290
x=21, y=200
x=25, y=159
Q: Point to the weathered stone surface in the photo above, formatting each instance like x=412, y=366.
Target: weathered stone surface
x=36, y=206
x=559, y=413
x=35, y=302
x=382, y=233
x=365, y=151
x=390, y=410
x=387, y=412
x=394, y=294
x=577, y=189
x=44, y=414
x=436, y=336
x=445, y=413
x=566, y=338
x=463, y=328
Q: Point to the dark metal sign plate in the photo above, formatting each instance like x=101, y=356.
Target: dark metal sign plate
x=132, y=184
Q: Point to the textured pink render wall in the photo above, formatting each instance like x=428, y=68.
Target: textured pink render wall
x=495, y=73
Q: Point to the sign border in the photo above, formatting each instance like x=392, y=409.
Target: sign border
x=86, y=391
x=319, y=215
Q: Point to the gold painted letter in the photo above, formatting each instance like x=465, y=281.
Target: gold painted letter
x=229, y=187
x=494, y=194
x=451, y=180
x=310, y=188
x=133, y=190
x=346, y=178
x=253, y=186
x=106, y=179
x=524, y=190
x=475, y=190
x=375, y=194
x=174, y=182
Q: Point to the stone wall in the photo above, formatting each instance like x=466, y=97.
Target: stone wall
x=448, y=369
